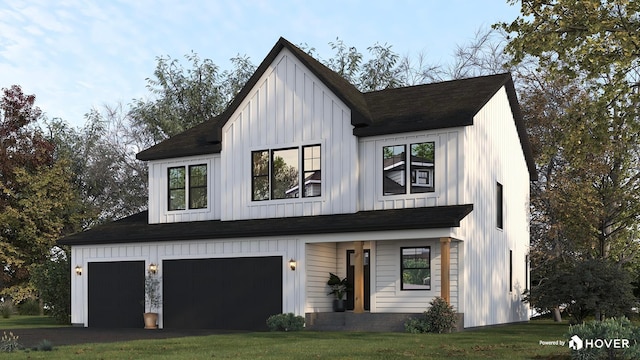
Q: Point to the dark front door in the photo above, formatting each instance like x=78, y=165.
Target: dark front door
x=351, y=277
x=226, y=293
x=116, y=294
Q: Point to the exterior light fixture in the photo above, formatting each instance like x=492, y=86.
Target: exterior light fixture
x=153, y=268
x=78, y=270
x=292, y=265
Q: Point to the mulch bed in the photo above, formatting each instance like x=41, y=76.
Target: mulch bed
x=80, y=335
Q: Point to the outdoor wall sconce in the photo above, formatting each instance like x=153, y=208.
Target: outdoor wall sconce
x=78, y=270
x=153, y=268
x=292, y=265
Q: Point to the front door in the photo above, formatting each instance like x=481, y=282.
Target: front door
x=351, y=275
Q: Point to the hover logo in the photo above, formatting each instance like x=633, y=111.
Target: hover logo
x=576, y=343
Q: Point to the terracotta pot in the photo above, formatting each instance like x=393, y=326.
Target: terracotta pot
x=150, y=320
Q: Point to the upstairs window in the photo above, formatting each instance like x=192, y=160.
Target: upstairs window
x=276, y=173
x=187, y=185
x=416, y=168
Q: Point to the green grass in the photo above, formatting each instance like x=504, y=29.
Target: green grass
x=27, y=322
x=520, y=341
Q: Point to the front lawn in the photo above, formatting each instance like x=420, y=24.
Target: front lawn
x=520, y=341
x=27, y=322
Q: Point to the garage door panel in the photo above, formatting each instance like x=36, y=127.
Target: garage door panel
x=116, y=294
x=227, y=293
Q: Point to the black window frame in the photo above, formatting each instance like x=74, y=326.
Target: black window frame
x=403, y=268
x=269, y=174
x=193, y=188
x=171, y=189
x=499, y=206
x=410, y=169
x=310, y=170
x=187, y=188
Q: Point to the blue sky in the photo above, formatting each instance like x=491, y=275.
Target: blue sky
x=78, y=54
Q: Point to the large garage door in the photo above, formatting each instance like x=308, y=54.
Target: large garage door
x=116, y=294
x=230, y=293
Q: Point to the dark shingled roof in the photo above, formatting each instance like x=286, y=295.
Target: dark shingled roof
x=423, y=107
x=135, y=228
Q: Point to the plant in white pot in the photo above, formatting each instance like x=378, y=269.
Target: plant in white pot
x=339, y=288
x=152, y=299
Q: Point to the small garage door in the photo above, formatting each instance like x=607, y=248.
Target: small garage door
x=229, y=293
x=116, y=294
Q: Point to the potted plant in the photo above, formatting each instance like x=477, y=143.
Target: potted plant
x=339, y=288
x=153, y=299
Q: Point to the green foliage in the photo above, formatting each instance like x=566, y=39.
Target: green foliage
x=153, y=295
x=415, y=325
x=586, y=288
x=52, y=279
x=439, y=318
x=29, y=307
x=285, y=322
x=6, y=309
x=9, y=343
x=609, y=329
x=339, y=287
x=185, y=97
x=44, y=345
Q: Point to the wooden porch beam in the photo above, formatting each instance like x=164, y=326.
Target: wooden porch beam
x=358, y=276
x=445, y=266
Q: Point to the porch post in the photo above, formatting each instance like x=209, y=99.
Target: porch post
x=445, y=267
x=358, y=276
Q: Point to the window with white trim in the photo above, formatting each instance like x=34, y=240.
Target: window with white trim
x=276, y=173
x=187, y=185
x=415, y=167
x=415, y=268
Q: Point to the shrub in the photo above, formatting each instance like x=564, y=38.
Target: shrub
x=285, y=322
x=609, y=329
x=9, y=343
x=439, y=318
x=29, y=307
x=416, y=325
x=6, y=309
x=44, y=345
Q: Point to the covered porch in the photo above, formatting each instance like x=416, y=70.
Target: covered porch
x=383, y=295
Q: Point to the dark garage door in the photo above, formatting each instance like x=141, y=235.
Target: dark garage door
x=116, y=294
x=229, y=293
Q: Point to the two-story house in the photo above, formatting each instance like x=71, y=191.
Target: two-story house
x=411, y=193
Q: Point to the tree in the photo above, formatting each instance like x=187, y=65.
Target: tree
x=33, y=192
x=111, y=183
x=52, y=280
x=581, y=106
x=595, y=44
x=589, y=287
x=187, y=97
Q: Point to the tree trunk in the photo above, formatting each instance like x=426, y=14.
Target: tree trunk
x=557, y=317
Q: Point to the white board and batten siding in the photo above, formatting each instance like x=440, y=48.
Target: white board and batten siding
x=293, y=282
x=448, y=170
x=493, y=154
x=158, y=190
x=289, y=107
x=387, y=296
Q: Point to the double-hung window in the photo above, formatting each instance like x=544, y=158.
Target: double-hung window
x=410, y=171
x=286, y=173
x=187, y=187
